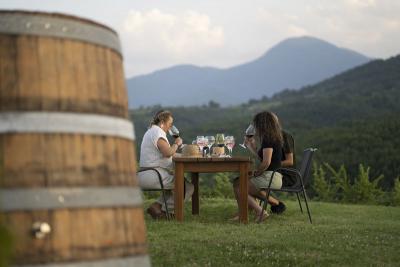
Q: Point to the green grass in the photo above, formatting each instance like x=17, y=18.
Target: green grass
x=341, y=235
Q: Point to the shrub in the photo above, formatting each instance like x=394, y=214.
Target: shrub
x=365, y=189
x=336, y=185
x=321, y=185
x=218, y=186
x=341, y=183
x=396, y=192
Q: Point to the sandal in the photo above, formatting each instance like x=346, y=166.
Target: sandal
x=263, y=217
x=235, y=218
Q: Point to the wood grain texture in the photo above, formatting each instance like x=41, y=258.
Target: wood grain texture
x=78, y=234
x=42, y=73
x=210, y=165
x=53, y=160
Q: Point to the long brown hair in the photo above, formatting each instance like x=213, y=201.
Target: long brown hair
x=268, y=127
x=160, y=116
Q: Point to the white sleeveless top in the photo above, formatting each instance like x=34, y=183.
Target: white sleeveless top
x=150, y=155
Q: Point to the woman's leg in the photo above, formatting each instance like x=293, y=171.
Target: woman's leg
x=263, y=182
x=252, y=203
x=168, y=183
x=189, y=189
x=236, y=190
x=271, y=200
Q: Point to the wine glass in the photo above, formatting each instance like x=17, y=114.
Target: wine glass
x=201, y=141
x=211, y=141
x=230, y=143
x=250, y=132
x=174, y=132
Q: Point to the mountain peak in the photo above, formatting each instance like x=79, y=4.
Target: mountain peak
x=303, y=40
x=292, y=63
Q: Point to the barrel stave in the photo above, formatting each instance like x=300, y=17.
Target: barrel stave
x=41, y=73
x=34, y=160
x=75, y=234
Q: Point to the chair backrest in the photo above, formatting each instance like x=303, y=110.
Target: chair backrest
x=306, y=164
x=288, y=140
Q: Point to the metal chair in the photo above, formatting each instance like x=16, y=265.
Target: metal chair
x=302, y=177
x=162, y=189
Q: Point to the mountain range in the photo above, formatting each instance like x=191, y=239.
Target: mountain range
x=292, y=63
x=352, y=118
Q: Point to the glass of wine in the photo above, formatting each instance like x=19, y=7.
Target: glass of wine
x=230, y=143
x=211, y=141
x=250, y=132
x=174, y=132
x=201, y=141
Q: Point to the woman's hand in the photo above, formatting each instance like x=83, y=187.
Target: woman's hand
x=178, y=141
x=250, y=142
x=257, y=173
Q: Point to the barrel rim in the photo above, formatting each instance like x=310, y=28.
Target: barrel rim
x=57, y=15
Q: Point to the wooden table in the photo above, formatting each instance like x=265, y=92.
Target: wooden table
x=209, y=165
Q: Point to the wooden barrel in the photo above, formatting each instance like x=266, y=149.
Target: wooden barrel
x=68, y=189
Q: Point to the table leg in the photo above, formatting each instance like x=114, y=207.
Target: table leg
x=195, y=196
x=243, y=192
x=179, y=194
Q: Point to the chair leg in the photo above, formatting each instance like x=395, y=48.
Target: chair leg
x=308, y=210
x=298, y=198
x=165, y=203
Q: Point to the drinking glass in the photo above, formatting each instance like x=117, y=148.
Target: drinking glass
x=201, y=141
x=211, y=141
x=230, y=143
x=250, y=132
x=174, y=132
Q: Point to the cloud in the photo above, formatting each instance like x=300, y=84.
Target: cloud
x=289, y=24
x=155, y=38
x=159, y=36
x=361, y=25
x=361, y=3
x=364, y=26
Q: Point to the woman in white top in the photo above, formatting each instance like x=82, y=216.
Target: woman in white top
x=155, y=151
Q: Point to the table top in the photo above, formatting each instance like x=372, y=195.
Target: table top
x=211, y=159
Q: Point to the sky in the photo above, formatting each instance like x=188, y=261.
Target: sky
x=157, y=34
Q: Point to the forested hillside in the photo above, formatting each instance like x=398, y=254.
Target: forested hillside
x=352, y=118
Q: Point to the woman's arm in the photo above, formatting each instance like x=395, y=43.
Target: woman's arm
x=254, y=153
x=266, y=161
x=167, y=150
x=251, y=146
x=288, y=162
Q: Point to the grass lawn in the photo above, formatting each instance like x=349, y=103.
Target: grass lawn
x=341, y=235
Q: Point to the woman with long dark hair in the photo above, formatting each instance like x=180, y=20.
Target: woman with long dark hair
x=269, y=134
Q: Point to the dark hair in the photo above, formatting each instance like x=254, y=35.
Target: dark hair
x=268, y=127
x=160, y=116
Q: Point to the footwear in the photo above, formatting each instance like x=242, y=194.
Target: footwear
x=234, y=218
x=155, y=210
x=162, y=216
x=263, y=218
x=278, y=209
